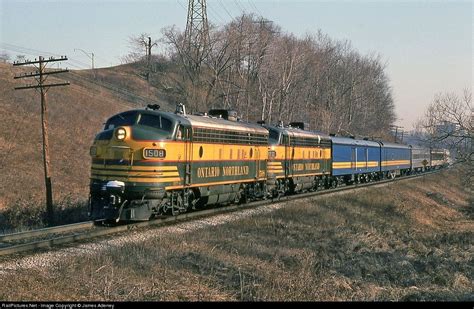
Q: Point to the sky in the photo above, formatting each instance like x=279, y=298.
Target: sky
x=427, y=46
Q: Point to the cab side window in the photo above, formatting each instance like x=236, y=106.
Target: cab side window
x=180, y=133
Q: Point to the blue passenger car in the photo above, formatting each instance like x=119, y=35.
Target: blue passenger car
x=395, y=159
x=355, y=159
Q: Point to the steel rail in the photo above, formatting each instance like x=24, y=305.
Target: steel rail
x=49, y=243
x=46, y=231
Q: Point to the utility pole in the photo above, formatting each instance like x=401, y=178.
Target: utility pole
x=148, y=54
x=396, y=132
x=149, y=49
x=90, y=57
x=263, y=21
x=40, y=76
x=259, y=39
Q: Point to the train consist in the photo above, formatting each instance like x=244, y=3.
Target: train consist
x=147, y=162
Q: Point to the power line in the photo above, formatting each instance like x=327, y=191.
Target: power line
x=255, y=7
x=247, y=4
x=71, y=62
x=102, y=98
x=216, y=14
x=225, y=9
x=89, y=55
x=112, y=87
x=182, y=5
x=33, y=52
x=242, y=9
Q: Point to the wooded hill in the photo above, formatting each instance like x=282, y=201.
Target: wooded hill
x=254, y=67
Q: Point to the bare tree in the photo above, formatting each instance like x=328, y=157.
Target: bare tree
x=139, y=48
x=20, y=58
x=186, y=81
x=449, y=122
x=4, y=57
x=251, y=66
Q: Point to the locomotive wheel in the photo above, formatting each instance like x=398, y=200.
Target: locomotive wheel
x=277, y=196
x=243, y=196
x=190, y=200
x=178, y=206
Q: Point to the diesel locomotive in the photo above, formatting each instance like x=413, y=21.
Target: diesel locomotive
x=148, y=162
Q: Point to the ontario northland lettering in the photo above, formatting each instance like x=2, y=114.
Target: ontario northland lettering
x=306, y=166
x=216, y=171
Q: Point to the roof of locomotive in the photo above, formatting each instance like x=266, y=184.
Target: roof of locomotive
x=215, y=123
x=301, y=133
x=337, y=140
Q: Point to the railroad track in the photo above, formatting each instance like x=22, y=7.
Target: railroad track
x=71, y=233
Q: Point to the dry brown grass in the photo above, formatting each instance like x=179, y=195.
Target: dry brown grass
x=398, y=242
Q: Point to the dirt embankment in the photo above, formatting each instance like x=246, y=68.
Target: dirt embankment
x=412, y=240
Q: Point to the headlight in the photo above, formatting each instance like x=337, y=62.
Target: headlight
x=120, y=134
x=93, y=151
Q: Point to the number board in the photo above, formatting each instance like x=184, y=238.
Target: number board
x=153, y=153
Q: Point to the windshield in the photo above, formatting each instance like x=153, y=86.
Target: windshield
x=156, y=122
x=274, y=137
x=123, y=119
x=132, y=118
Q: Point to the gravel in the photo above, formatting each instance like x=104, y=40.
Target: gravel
x=49, y=259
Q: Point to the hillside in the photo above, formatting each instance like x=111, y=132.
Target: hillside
x=406, y=241
x=75, y=114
